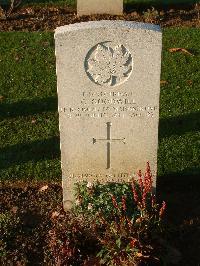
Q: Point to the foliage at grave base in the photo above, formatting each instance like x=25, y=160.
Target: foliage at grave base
x=129, y=216
x=92, y=199
x=70, y=241
x=120, y=224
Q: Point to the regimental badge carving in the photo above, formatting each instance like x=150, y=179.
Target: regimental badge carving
x=108, y=64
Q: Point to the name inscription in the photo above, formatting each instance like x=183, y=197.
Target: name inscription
x=108, y=105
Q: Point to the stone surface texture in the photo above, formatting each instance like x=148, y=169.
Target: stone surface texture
x=89, y=7
x=108, y=75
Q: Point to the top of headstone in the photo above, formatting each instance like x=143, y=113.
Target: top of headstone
x=107, y=23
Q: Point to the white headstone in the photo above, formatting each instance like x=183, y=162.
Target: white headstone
x=88, y=7
x=108, y=90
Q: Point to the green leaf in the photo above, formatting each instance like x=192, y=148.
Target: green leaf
x=101, y=253
x=118, y=242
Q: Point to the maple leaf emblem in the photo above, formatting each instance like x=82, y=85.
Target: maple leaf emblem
x=109, y=66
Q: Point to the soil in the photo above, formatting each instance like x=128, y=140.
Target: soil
x=26, y=240
x=35, y=205
x=48, y=18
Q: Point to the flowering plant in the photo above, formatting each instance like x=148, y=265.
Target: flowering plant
x=131, y=238
x=128, y=217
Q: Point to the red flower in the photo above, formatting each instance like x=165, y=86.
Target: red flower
x=124, y=203
x=135, y=194
x=162, y=209
x=140, y=180
x=133, y=242
x=114, y=201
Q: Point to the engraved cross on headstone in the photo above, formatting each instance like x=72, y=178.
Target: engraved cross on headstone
x=108, y=140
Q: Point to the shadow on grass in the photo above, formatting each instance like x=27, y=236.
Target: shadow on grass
x=28, y=107
x=179, y=125
x=136, y=5
x=34, y=151
x=188, y=179
x=42, y=150
x=182, y=195
x=168, y=126
x=181, y=191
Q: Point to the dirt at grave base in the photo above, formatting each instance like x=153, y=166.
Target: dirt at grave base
x=48, y=18
x=36, y=203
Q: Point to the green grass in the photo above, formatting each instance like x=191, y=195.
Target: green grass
x=28, y=83
x=29, y=147
x=179, y=146
x=126, y=2
x=160, y=2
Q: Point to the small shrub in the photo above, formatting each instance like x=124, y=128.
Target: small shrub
x=126, y=219
x=70, y=241
x=151, y=15
x=92, y=199
x=120, y=224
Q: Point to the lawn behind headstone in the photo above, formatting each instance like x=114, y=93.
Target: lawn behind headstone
x=29, y=133
x=147, y=3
